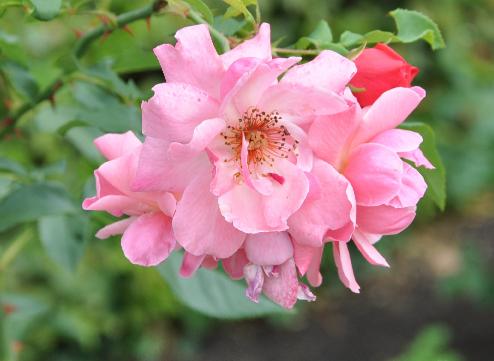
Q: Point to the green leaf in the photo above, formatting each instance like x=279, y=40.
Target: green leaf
x=349, y=39
x=239, y=7
x=202, y=7
x=8, y=165
x=413, y=26
x=101, y=109
x=213, y=293
x=46, y=9
x=320, y=38
x=30, y=202
x=64, y=238
x=435, y=178
x=20, y=79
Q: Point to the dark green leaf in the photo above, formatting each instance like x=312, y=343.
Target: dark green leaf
x=30, y=202
x=20, y=79
x=213, y=293
x=104, y=111
x=435, y=178
x=46, y=9
x=413, y=26
x=63, y=238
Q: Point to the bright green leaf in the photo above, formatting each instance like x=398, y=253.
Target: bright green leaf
x=213, y=293
x=30, y=202
x=349, y=39
x=435, y=178
x=413, y=26
x=239, y=7
x=203, y=8
x=63, y=238
x=46, y=9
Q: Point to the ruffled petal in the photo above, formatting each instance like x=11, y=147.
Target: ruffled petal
x=198, y=224
x=113, y=145
x=268, y=248
x=330, y=210
x=283, y=288
x=148, y=240
x=412, y=188
x=328, y=71
x=174, y=111
x=193, y=60
x=251, y=212
x=375, y=173
x=258, y=47
x=234, y=265
x=388, y=111
x=308, y=261
x=330, y=136
x=384, y=219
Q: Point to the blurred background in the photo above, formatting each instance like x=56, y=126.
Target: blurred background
x=435, y=303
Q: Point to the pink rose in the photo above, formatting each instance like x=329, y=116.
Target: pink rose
x=147, y=236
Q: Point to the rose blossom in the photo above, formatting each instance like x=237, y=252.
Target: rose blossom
x=365, y=146
x=147, y=236
x=378, y=70
x=231, y=138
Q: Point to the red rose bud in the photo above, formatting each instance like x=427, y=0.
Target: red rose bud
x=378, y=70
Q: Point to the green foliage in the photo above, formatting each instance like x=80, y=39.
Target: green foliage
x=213, y=293
x=30, y=202
x=412, y=26
x=46, y=9
x=435, y=178
x=202, y=8
x=430, y=344
x=64, y=238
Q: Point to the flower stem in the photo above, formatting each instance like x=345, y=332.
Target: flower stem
x=296, y=51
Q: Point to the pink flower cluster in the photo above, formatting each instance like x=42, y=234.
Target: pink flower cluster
x=259, y=163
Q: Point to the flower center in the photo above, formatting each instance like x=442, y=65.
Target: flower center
x=267, y=139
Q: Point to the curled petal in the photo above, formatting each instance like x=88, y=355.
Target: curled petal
x=257, y=47
x=304, y=293
x=113, y=145
x=234, y=265
x=283, y=289
x=388, y=111
x=371, y=254
x=254, y=277
x=114, y=228
x=190, y=264
x=375, y=173
x=344, y=265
